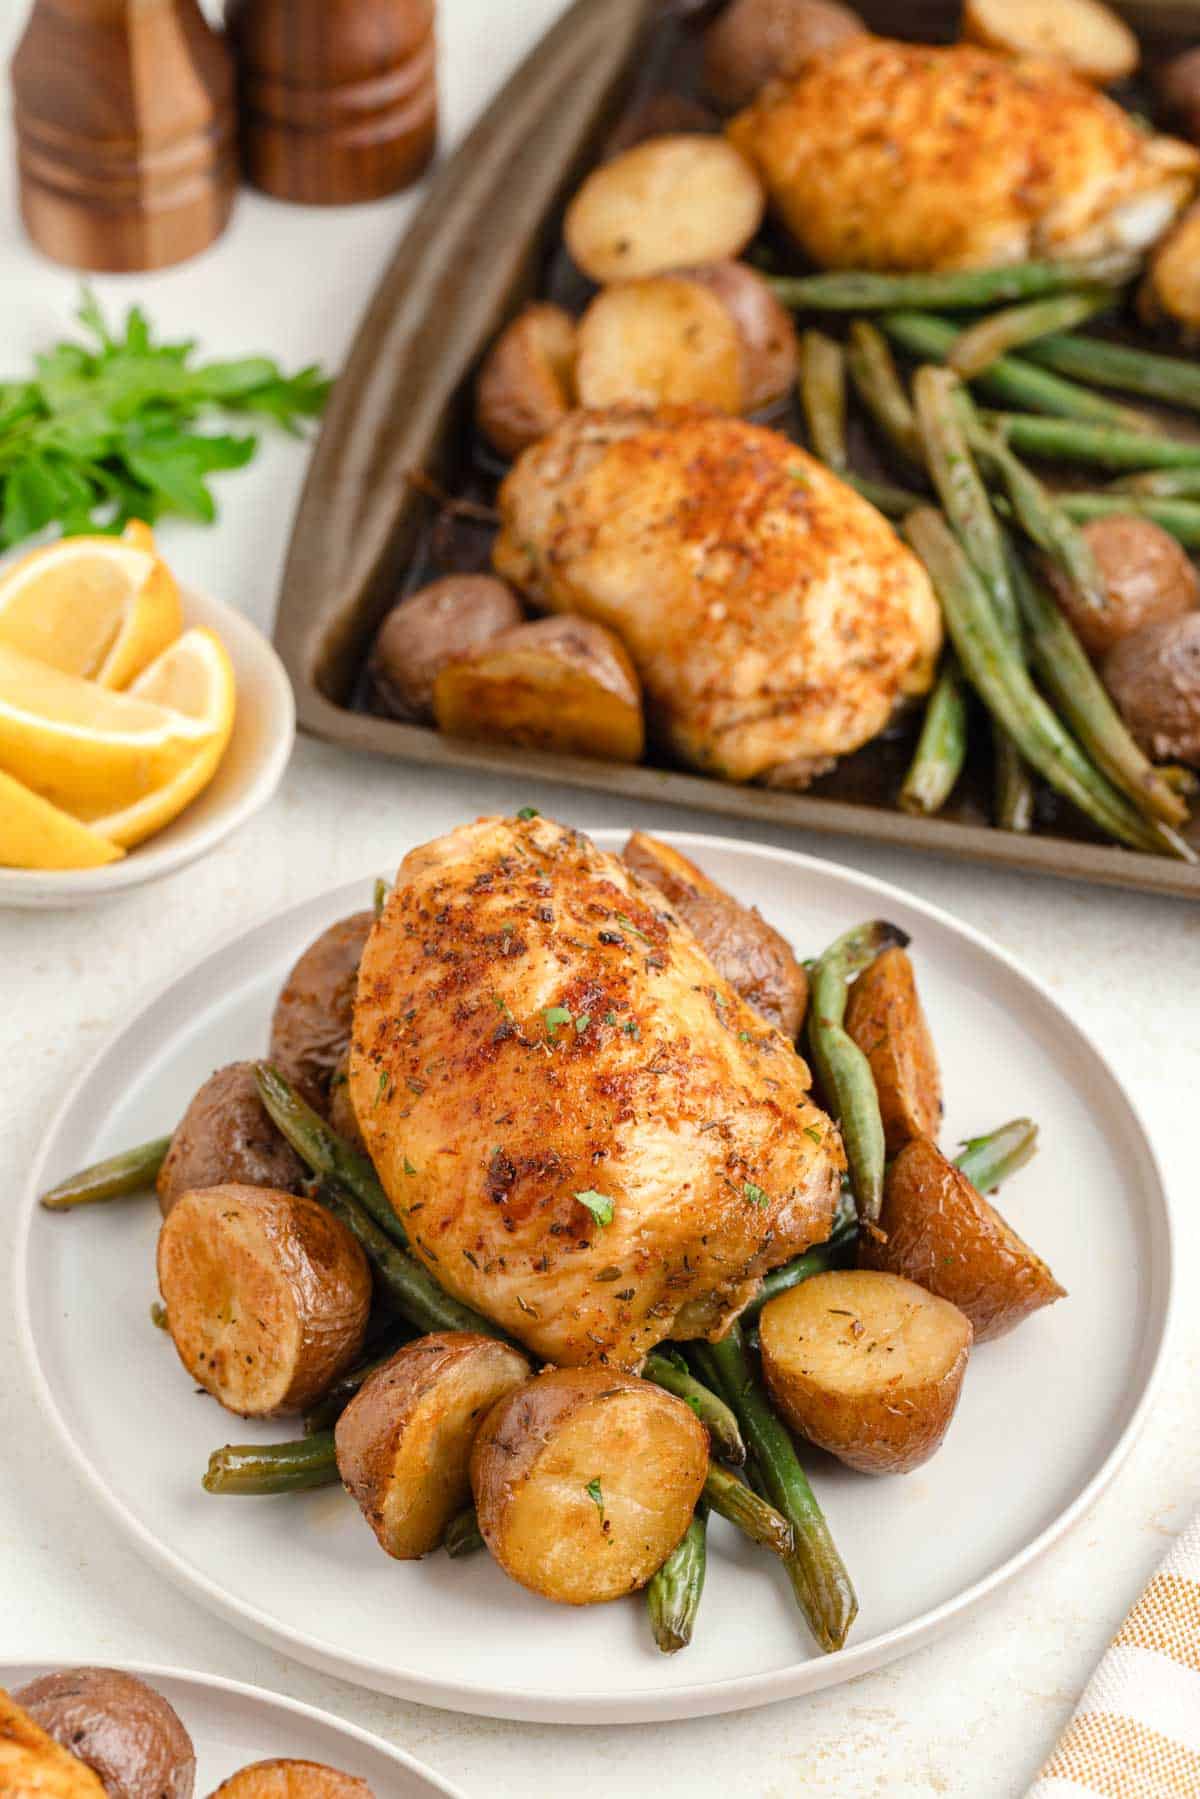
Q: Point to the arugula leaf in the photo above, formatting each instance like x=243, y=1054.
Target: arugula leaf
x=111, y=428
x=598, y=1204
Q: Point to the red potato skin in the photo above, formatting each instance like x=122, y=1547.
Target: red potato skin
x=938, y=1231
x=885, y=1018
x=1147, y=574
x=756, y=961
x=418, y=637
x=314, y=1014
x=119, y=1727
x=752, y=42
x=33, y=1764
x=226, y=1135
x=1154, y=677
x=327, y=1273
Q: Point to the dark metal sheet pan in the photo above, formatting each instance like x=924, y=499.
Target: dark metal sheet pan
x=481, y=243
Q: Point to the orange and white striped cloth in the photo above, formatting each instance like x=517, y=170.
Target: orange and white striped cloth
x=1136, y=1731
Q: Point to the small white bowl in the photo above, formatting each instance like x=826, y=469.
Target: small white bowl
x=264, y=730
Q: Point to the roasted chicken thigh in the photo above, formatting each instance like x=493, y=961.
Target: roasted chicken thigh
x=587, y=1134
x=774, y=617
x=885, y=155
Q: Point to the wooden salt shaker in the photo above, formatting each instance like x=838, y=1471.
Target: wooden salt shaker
x=338, y=97
x=124, y=117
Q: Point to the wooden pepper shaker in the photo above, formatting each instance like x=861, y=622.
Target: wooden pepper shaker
x=338, y=97
x=124, y=117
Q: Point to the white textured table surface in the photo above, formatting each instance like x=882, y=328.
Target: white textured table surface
x=971, y=1716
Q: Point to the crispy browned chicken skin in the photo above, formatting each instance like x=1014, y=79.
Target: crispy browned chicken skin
x=773, y=615
x=884, y=155
x=537, y=1040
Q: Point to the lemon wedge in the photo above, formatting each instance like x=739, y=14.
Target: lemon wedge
x=86, y=749
x=101, y=608
x=35, y=834
x=195, y=678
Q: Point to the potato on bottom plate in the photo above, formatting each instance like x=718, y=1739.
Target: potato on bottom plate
x=943, y=1234
x=562, y=684
x=227, y=1136
x=267, y=1296
x=868, y=1366
x=585, y=1481
x=404, y=1441
x=527, y=382
x=756, y=961
x=1085, y=34
x=314, y=1014
x=752, y=42
x=121, y=1728
x=292, y=1780
x=885, y=1018
x=418, y=637
x=666, y=204
x=34, y=1766
x=1147, y=576
x=713, y=336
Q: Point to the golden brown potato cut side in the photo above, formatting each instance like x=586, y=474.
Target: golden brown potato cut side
x=34, y=1766
x=668, y=203
x=267, y=1296
x=311, y=1024
x=868, y=1366
x=124, y=1730
x=941, y=1233
x=885, y=1018
x=293, y=1780
x=1085, y=35
x=226, y=1135
x=404, y=1441
x=585, y=1481
x=561, y=685
x=752, y=956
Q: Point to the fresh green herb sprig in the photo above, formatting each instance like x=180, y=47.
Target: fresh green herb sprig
x=105, y=430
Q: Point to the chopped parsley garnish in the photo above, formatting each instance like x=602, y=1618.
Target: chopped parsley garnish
x=631, y=1028
x=744, y=1037
x=610, y=1018
x=598, y=1204
x=629, y=925
x=754, y=1194
x=385, y=1082
x=408, y=1167
x=554, y=1016
x=528, y=812
x=583, y=1021
x=595, y=1494
x=810, y=1130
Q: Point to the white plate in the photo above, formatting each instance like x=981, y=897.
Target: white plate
x=231, y=1725
x=1046, y=1415
x=264, y=729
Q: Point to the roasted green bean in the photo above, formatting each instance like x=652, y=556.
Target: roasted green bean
x=133, y=1171
x=976, y=348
